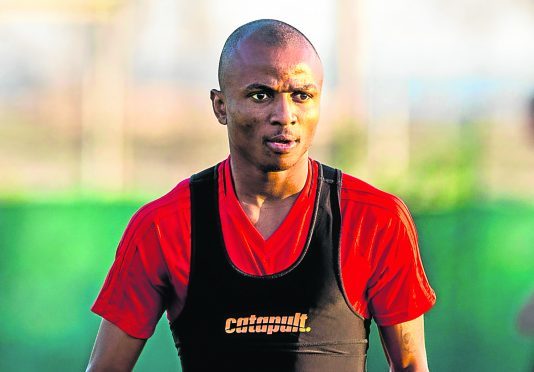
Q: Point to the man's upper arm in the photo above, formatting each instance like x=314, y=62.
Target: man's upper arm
x=114, y=350
x=132, y=297
x=404, y=345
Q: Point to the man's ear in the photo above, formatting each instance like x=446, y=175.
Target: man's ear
x=219, y=105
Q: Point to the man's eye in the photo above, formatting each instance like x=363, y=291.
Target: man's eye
x=302, y=96
x=260, y=96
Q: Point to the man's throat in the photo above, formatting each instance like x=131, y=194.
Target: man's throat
x=268, y=217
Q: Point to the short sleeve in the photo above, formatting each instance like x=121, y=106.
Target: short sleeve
x=399, y=290
x=132, y=296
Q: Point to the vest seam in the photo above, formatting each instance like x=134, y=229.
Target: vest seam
x=343, y=342
x=339, y=273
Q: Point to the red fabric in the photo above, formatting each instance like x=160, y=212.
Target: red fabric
x=245, y=245
x=380, y=263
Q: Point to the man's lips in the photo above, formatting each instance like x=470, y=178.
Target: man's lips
x=282, y=143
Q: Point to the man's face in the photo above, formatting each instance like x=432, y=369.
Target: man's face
x=270, y=102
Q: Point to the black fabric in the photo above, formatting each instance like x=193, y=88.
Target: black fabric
x=333, y=338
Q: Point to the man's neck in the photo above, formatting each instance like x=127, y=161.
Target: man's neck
x=254, y=186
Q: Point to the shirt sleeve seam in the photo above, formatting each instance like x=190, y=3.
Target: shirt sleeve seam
x=404, y=316
x=101, y=310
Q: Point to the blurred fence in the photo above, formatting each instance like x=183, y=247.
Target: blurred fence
x=112, y=95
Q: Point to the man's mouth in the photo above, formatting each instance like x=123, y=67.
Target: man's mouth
x=281, y=143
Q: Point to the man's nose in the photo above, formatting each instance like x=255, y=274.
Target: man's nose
x=284, y=110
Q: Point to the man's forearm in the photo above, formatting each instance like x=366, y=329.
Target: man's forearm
x=404, y=346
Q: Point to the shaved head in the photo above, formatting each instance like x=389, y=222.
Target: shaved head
x=269, y=32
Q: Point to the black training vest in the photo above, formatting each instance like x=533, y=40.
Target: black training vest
x=295, y=320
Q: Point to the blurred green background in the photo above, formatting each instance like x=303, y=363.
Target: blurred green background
x=55, y=256
x=104, y=106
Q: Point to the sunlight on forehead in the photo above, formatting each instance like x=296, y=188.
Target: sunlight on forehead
x=299, y=76
x=284, y=78
x=302, y=68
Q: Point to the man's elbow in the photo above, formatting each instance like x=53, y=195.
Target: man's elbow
x=100, y=367
x=95, y=367
x=409, y=366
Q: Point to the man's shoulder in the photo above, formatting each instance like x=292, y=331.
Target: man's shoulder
x=359, y=194
x=172, y=206
x=173, y=203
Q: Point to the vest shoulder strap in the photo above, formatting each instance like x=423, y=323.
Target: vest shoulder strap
x=205, y=175
x=330, y=175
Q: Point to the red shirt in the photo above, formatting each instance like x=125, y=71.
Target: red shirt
x=380, y=263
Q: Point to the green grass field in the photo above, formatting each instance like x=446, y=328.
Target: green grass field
x=54, y=257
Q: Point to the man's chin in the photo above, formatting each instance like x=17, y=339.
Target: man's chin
x=279, y=166
x=273, y=168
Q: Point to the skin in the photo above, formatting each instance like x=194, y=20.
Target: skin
x=270, y=94
x=404, y=345
x=114, y=350
x=270, y=105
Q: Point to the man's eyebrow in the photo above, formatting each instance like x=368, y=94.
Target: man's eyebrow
x=308, y=87
x=259, y=86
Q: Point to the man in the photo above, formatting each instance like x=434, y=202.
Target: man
x=269, y=261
